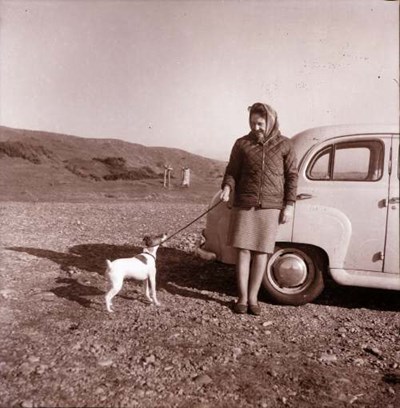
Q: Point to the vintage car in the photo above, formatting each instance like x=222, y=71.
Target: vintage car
x=346, y=217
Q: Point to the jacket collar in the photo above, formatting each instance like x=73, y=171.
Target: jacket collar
x=266, y=140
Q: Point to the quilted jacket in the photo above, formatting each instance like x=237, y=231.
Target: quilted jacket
x=262, y=174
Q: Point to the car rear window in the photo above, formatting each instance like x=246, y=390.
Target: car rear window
x=360, y=160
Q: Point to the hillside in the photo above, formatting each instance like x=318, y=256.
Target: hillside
x=45, y=166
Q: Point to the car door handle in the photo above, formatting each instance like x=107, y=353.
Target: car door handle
x=303, y=196
x=394, y=200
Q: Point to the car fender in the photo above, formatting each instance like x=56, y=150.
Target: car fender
x=324, y=227
x=216, y=231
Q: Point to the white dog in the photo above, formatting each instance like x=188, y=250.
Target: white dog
x=141, y=267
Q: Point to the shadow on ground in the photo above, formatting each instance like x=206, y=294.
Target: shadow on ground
x=356, y=298
x=186, y=275
x=178, y=272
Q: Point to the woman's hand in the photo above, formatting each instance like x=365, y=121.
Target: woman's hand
x=225, y=194
x=287, y=214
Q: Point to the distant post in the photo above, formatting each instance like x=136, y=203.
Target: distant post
x=167, y=175
x=185, y=176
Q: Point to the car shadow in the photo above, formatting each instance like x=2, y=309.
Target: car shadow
x=184, y=274
x=355, y=298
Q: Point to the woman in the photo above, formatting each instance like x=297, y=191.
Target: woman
x=262, y=174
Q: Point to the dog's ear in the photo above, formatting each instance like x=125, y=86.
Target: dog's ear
x=146, y=240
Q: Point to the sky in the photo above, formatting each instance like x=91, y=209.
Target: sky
x=182, y=73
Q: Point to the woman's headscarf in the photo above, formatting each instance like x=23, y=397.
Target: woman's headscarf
x=270, y=116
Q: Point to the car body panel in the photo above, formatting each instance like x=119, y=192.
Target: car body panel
x=377, y=280
x=355, y=223
x=392, y=245
x=346, y=218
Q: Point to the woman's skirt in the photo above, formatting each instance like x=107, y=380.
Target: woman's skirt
x=253, y=228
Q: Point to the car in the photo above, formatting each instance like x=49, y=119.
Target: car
x=346, y=216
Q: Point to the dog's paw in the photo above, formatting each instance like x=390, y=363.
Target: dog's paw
x=157, y=303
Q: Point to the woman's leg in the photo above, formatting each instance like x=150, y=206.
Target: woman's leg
x=258, y=266
x=242, y=275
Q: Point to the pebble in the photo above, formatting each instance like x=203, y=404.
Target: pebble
x=273, y=373
x=33, y=359
x=41, y=369
x=105, y=362
x=328, y=358
x=359, y=362
x=77, y=346
x=373, y=350
x=26, y=368
x=202, y=379
x=8, y=293
x=268, y=323
x=48, y=296
x=355, y=398
x=150, y=359
x=120, y=350
x=27, y=404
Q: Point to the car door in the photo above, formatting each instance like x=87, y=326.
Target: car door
x=391, y=262
x=342, y=191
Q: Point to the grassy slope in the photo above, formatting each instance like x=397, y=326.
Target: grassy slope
x=41, y=170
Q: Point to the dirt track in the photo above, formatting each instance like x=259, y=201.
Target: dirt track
x=59, y=347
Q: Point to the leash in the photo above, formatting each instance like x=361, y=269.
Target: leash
x=192, y=222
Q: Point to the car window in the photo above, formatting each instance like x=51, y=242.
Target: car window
x=319, y=167
x=348, y=161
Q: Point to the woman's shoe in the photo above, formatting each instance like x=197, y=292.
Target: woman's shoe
x=240, y=308
x=255, y=310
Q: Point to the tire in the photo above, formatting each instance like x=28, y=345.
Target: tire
x=294, y=276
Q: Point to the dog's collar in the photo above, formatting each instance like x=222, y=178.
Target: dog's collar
x=148, y=253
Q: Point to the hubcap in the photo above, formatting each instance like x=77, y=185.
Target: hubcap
x=290, y=270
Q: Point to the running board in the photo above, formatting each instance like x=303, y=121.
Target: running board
x=377, y=280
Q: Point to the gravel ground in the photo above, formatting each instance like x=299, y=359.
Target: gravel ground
x=60, y=348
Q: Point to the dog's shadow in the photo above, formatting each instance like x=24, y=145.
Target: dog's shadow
x=178, y=272
x=76, y=290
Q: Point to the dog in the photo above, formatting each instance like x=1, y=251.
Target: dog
x=141, y=267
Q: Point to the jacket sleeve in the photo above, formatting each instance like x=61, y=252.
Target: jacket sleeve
x=232, y=172
x=291, y=174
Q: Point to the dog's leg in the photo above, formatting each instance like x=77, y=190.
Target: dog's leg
x=152, y=279
x=116, y=287
x=146, y=290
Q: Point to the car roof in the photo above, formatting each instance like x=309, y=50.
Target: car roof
x=304, y=140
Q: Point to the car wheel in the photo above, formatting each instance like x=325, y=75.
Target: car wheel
x=294, y=276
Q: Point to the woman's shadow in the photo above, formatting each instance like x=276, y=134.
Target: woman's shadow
x=178, y=272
